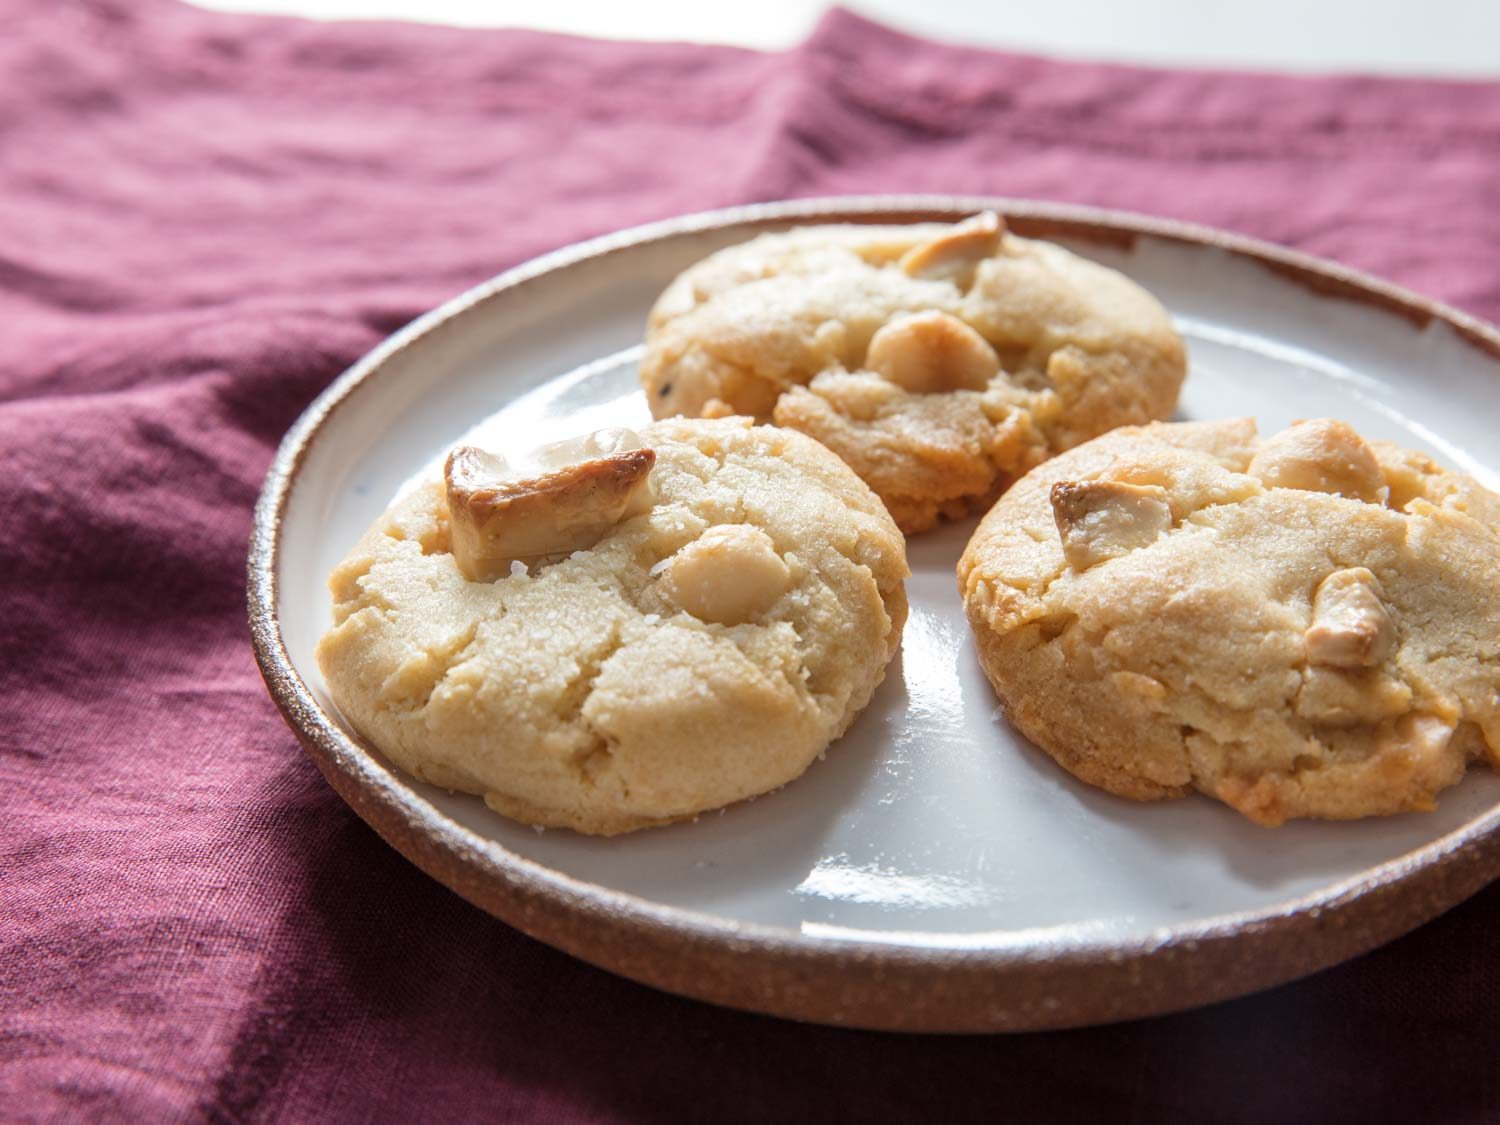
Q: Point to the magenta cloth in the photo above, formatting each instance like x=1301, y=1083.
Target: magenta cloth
x=204, y=218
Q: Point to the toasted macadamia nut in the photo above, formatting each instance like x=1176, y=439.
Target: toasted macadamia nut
x=1104, y=519
x=562, y=498
x=469, y=468
x=953, y=255
x=1321, y=455
x=571, y=451
x=727, y=575
x=932, y=352
x=1350, y=627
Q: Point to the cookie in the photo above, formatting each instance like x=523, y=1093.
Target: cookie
x=1302, y=626
x=623, y=634
x=940, y=361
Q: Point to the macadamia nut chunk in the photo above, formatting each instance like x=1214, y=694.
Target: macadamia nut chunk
x=728, y=575
x=1104, y=519
x=1322, y=455
x=1351, y=627
x=956, y=253
x=571, y=451
x=932, y=352
x=563, y=497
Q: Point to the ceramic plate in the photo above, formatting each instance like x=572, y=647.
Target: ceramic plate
x=935, y=872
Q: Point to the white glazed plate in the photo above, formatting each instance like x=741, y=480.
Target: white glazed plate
x=936, y=871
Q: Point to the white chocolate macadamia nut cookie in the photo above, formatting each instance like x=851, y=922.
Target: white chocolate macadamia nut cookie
x=940, y=361
x=622, y=631
x=1304, y=626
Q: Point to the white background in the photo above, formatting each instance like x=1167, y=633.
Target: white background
x=1449, y=37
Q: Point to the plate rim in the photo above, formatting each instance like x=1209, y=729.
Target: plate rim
x=1011, y=984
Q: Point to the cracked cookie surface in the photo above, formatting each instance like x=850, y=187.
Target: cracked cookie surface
x=1302, y=626
x=581, y=694
x=940, y=361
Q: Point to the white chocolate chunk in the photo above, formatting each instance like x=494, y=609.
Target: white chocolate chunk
x=931, y=352
x=561, y=498
x=1104, y=519
x=1419, y=737
x=1351, y=627
x=727, y=575
x=954, y=254
x=1321, y=455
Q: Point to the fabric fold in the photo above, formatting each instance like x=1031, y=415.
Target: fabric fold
x=206, y=218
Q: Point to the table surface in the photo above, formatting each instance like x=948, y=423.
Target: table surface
x=1456, y=38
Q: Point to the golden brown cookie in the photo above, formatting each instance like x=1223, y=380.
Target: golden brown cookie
x=940, y=361
x=702, y=622
x=1302, y=626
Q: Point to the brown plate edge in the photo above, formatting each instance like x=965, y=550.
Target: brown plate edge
x=1020, y=982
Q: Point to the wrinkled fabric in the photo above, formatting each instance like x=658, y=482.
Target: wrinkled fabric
x=204, y=218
